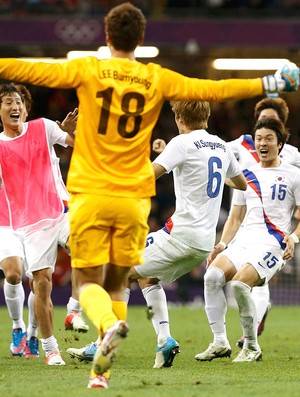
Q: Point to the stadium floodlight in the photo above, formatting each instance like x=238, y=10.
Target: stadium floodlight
x=249, y=63
x=140, y=52
x=43, y=59
x=104, y=52
x=81, y=54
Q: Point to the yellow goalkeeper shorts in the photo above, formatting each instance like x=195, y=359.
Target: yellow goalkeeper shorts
x=107, y=229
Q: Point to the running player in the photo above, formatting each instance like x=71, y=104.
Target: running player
x=13, y=290
x=244, y=150
x=200, y=167
x=33, y=220
x=260, y=248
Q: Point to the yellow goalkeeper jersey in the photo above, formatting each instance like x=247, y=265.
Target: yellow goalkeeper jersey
x=119, y=104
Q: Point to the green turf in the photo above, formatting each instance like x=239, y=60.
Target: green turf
x=132, y=374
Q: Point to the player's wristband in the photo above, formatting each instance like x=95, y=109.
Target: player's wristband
x=294, y=237
x=273, y=83
x=224, y=245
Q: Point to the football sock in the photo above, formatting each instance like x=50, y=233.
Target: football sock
x=127, y=295
x=120, y=309
x=216, y=304
x=261, y=297
x=158, y=309
x=49, y=344
x=73, y=306
x=97, y=305
x=32, y=329
x=247, y=310
x=93, y=374
x=14, y=298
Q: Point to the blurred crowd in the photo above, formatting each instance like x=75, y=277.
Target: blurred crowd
x=151, y=8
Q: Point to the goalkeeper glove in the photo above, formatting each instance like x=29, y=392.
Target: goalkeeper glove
x=285, y=79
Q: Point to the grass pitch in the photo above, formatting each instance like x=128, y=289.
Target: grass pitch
x=132, y=375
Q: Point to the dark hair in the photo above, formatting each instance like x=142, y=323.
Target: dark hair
x=278, y=104
x=275, y=125
x=125, y=27
x=9, y=89
x=194, y=114
x=26, y=95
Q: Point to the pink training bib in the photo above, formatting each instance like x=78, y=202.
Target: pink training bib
x=28, y=194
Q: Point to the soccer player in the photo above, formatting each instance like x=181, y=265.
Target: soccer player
x=23, y=342
x=244, y=150
x=13, y=290
x=74, y=320
x=200, y=166
x=111, y=178
x=32, y=220
x=260, y=248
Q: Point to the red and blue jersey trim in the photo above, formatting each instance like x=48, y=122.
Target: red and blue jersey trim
x=168, y=226
x=248, y=144
x=66, y=207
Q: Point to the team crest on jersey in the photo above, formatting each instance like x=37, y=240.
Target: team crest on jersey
x=280, y=179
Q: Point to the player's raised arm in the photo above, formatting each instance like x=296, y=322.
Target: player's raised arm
x=69, y=125
x=158, y=145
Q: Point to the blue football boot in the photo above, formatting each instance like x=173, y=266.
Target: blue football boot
x=166, y=353
x=85, y=353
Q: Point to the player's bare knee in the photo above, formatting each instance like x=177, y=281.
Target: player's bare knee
x=13, y=278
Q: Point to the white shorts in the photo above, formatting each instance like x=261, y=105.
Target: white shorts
x=37, y=249
x=10, y=244
x=266, y=259
x=167, y=258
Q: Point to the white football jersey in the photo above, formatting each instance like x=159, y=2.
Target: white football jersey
x=244, y=150
x=271, y=196
x=200, y=163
